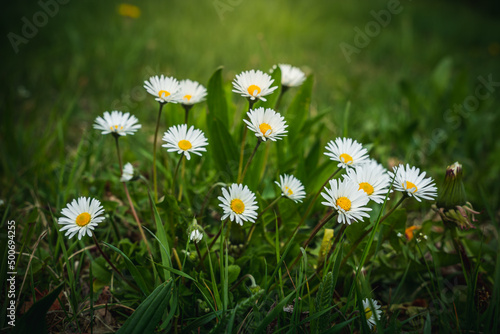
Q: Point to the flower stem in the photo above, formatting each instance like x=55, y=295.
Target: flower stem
x=214, y=240
x=249, y=161
x=186, y=108
x=278, y=101
x=176, y=172
x=252, y=229
x=132, y=208
x=314, y=200
x=155, y=183
x=105, y=256
x=243, y=139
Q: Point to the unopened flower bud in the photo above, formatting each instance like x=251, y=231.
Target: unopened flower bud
x=453, y=191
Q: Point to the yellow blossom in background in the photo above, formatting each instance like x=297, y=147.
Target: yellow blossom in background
x=128, y=10
x=409, y=232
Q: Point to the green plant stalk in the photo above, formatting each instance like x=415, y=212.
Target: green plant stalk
x=252, y=229
x=308, y=210
x=155, y=180
x=176, y=172
x=243, y=139
x=240, y=180
x=131, y=204
x=105, y=256
x=186, y=115
x=282, y=92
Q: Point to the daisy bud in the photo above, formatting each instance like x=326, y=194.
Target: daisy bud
x=452, y=205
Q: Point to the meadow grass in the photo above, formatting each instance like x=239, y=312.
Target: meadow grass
x=394, y=96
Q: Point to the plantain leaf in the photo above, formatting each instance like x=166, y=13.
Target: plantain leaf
x=216, y=99
x=147, y=316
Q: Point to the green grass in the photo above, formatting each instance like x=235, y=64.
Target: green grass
x=393, y=97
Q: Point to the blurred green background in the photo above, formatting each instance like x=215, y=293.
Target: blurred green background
x=402, y=85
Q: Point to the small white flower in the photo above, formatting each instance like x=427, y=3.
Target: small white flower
x=399, y=235
x=267, y=124
x=165, y=89
x=348, y=152
x=410, y=181
x=371, y=313
x=291, y=187
x=191, y=92
x=81, y=216
x=183, y=141
x=372, y=178
x=127, y=172
x=196, y=236
x=239, y=204
x=117, y=123
x=349, y=201
x=253, y=84
x=291, y=76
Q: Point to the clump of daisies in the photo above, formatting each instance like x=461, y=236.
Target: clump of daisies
x=291, y=188
x=347, y=199
x=185, y=141
x=239, y=204
x=266, y=123
x=253, y=85
x=412, y=183
x=348, y=152
x=117, y=123
x=81, y=216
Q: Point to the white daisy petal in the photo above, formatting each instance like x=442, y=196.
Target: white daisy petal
x=239, y=204
x=183, y=141
x=80, y=217
x=165, y=89
x=291, y=76
x=348, y=199
x=291, y=187
x=266, y=123
x=118, y=123
x=253, y=84
x=191, y=92
x=127, y=172
x=371, y=312
x=347, y=152
x=410, y=181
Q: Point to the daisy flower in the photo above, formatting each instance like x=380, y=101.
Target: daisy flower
x=239, y=204
x=127, y=172
x=117, y=123
x=409, y=180
x=267, y=124
x=349, y=201
x=372, y=178
x=183, y=141
x=196, y=236
x=165, y=89
x=253, y=84
x=371, y=313
x=347, y=152
x=81, y=216
x=191, y=92
x=291, y=76
x=291, y=187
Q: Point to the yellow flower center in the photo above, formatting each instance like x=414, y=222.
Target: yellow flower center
x=237, y=206
x=264, y=128
x=185, y=145
x=366, y=187
x=163, y=93
x=344, y=203
x=83, y=219
x=410, y=185
x=188, y=97
x=346, y=158
x=253, y=90
x=289, y=191
x=368, y=313
x=115, y=128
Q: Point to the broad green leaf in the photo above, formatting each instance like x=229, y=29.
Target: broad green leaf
x=34, y=321
x=161, y=234
x=273, y=98
x=222, y=147
x=298, y=111
x=216, y=99
x=147, y=316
